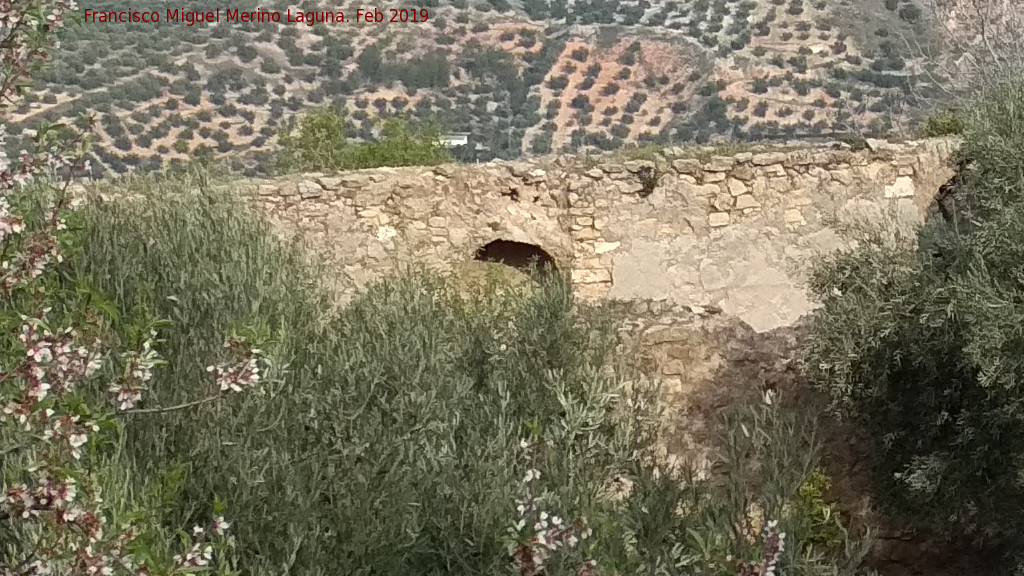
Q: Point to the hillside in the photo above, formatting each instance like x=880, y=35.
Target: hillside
x=520, y=78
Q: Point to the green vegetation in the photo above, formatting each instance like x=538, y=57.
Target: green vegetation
x=387, y=436
x=424, y=427
x=428, y=427
x=919, y=340
x=944, y=123
x=318, y=142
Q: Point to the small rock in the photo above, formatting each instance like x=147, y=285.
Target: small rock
x=675, y=368
x=686, y=166
x=797, y=200
x=706, y=190
x=799, y=158
x=720, y=164
x=843, y=176
x=518, y=170
x=737, y=188
x=742, y=172
x=717, y=219
x=876, y=145
x=354, y=181
x=722, y=202
x=819, y=173
x=309, y=189
x=746, y=201
x=636, y=165
x=444, y=170
x=766, y=158
x=661, y=334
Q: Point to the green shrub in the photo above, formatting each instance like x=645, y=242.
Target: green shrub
x=390, y=442
x=391, y=445
x=811, y=506
x=919, y=339
x=944, y=123
x=317, y=143
x=856, y=142
x=769, y=459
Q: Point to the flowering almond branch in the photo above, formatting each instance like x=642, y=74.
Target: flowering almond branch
x=537, y=534
x=48, y=498
x=774, y=546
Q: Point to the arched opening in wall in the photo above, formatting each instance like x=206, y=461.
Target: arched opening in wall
x=519, y=255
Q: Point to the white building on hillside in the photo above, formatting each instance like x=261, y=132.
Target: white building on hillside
x=455, y=139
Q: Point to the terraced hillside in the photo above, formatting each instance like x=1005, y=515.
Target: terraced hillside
x=529, y=77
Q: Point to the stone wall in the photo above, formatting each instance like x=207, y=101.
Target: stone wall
x=728, y=232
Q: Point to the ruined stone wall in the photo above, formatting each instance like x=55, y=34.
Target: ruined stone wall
x=704, y=362
x=732, y=232
x=704, y=274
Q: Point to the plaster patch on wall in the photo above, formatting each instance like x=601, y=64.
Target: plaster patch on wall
x=640, y=271
x=766, y=307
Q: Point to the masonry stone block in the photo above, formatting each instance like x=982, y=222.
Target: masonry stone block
x=718, y=219
x=746, y=201
x=737, y=187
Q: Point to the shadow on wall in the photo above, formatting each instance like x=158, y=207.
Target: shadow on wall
x=518, y=255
